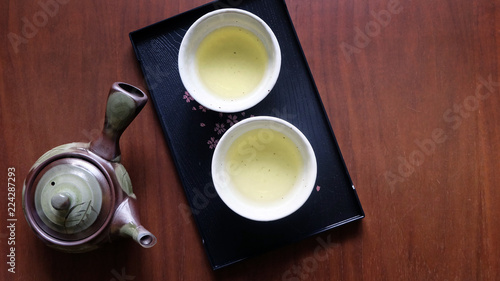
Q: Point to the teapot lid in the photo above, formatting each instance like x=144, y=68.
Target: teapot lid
x=71, y=198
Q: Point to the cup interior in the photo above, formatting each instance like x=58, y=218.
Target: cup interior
x=268, y=210
x=188, y=66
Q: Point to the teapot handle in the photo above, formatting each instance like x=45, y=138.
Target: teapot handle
x=124, y=103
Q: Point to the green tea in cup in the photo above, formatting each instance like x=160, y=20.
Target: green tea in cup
x=264, y=165
x=231, y=61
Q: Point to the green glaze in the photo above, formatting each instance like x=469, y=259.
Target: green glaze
x=82, y=190
x=129, y=230
x=120, y=111
x=124, y=179
x=58, y=150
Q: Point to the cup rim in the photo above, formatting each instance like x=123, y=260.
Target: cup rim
x=194, y=86
x=255, y=211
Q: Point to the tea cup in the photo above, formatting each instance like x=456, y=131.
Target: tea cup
x=264, y=168
x=229, y=60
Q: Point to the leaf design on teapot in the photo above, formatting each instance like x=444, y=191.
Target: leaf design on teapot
x=79, y=216
x=124, y=180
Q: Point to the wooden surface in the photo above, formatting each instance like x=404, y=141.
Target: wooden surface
x=412, y=91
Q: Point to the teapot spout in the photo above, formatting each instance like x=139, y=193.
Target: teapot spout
x=126, y=223
x=140, y=235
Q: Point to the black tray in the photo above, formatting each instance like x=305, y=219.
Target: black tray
x=193, y=131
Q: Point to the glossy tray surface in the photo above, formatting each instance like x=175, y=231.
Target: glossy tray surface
x=192, y=132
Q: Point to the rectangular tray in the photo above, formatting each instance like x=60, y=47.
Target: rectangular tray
x=192, y=132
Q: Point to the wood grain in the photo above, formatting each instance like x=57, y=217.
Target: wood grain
x=412, y=92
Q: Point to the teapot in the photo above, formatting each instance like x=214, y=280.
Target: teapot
x=78, y=196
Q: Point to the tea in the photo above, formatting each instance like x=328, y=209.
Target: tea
x=264, y=165
x=231, y=61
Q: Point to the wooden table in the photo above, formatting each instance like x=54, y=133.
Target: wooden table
x=412, y=92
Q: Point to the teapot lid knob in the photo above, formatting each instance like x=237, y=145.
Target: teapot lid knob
x=61, y=201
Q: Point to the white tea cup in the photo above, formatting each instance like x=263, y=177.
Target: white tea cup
x=264, y=168
x=229, y=60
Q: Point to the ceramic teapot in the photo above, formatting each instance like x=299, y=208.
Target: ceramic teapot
x=78, y=196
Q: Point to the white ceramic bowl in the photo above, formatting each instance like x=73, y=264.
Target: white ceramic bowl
x=250, y=208
x=188, y=67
